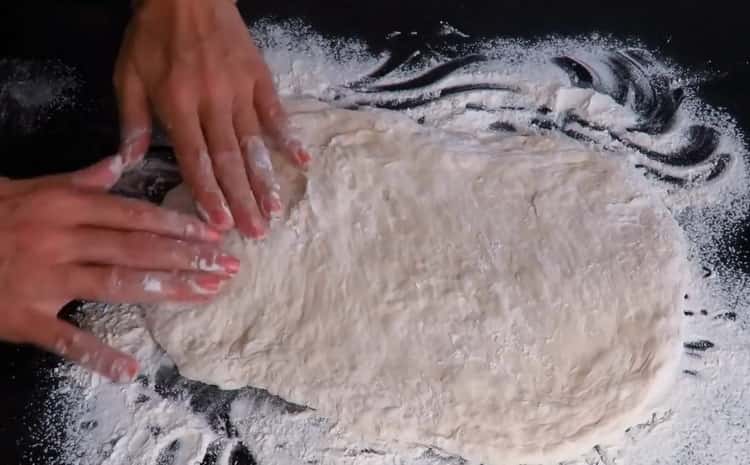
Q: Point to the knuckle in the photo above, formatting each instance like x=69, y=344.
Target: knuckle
x=197, y=166
x=135, y=210
x=224, y=158
x=49, y=245
x=40, y=199
x=15, y=210
x=142, y=216
x=145, y=244
x=178, y=90
x=110, y=282
x=31, y=239
x=53, y=199
x=216, y=89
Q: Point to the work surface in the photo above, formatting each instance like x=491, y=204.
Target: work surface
x=84, y=36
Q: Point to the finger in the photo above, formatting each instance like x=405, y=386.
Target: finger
x=102, y=175
x=135, y=117
x=65, y=340
x=256, y=158
x=108, y=211
x=275, y=121
x=230, y=172
x=196, y=168
x=114, y=284
x=146, y=251
x=262, y=177
x=99, y=176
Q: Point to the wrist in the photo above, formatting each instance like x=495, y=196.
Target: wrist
x=138, y=3
x=142, y=3
x=188, y=17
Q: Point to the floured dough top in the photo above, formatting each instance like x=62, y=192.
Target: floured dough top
x=510, y=300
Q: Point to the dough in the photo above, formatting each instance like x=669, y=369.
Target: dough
x=507, y=300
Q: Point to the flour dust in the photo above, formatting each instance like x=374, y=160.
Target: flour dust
x=560, y=87
x=32, y=92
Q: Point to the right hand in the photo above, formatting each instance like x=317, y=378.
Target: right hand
x=64, y=238
x=193, y=64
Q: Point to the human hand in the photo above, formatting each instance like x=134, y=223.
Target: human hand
x=195, y=64
x=64, y=238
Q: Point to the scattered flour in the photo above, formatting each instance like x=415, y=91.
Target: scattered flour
x=163, y=419
x=31, y=92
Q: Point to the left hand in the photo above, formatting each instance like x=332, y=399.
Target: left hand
x=65, y=238
x=194, y=63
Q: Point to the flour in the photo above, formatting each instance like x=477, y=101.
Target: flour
x=509, y=302
x=152, y=284
x=31, y=93
x=702, y=418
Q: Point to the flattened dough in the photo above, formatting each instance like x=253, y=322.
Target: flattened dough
x=509, y=300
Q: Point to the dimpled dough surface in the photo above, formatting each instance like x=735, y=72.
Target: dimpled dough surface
x=507, y=300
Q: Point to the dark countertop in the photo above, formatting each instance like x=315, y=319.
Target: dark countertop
x=85, y=35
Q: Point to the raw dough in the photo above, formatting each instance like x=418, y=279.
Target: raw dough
x=508, y=300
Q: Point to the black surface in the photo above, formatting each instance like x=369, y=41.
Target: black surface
x=85, y=36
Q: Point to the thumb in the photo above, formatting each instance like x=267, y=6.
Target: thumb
x=102, y=175
x=135, y=118
x=80, y=347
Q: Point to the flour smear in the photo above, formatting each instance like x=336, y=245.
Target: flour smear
x=164, y=419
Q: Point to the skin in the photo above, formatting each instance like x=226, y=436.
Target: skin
x=82, y=243
x=192, y=64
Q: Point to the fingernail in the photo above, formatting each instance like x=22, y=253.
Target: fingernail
x=211, y=234
x=221, y=219
x=303, y=157
x=207, y=284
x=201, y=231
x=123, y=370
x=271, y=205
x=229, y=263
x=257, y=230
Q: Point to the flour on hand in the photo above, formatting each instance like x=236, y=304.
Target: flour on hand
x=508, y=300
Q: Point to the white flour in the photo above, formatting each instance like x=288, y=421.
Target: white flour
x=466, y=290
x=31, y=93
x=704, y=419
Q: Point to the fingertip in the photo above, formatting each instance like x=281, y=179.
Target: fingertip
x=229, y=264
x=297, y=152
x=303, y=157
x=255, y=231
x=103, y=174
x=253, y=226
x=203, y=232
x=272, y=206
x=219, y=218
x=212, y=234
x=134, y=145
x=124, y=369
